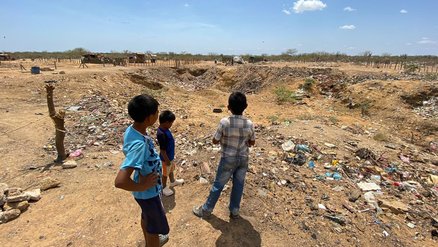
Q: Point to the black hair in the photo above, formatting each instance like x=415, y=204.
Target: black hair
x=166, y=116
x=237, y=103
x=142, y=106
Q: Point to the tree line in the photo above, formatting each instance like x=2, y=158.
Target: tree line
x=289, y=56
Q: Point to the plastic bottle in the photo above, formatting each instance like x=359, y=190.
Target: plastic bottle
x=311, y=164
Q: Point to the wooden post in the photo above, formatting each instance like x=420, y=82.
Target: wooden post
x=55, y=64
x=58, y=120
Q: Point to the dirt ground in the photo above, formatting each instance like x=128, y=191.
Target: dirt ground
x=350, y=106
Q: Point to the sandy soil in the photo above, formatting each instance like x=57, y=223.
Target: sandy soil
x=86, y=210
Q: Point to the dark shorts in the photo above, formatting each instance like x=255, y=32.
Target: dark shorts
x=152, y=213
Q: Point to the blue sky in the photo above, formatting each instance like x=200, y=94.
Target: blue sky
x=221, y=26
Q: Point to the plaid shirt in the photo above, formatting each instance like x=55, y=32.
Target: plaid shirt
x=234, y=132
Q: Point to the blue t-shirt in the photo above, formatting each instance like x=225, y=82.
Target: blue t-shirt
x=141, y=155
x=166, y=141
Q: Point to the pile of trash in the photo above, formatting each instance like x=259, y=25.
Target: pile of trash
x=429, y=109
x=94, y=121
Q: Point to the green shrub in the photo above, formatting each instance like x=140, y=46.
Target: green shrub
x=284, y=95
x=308, y=84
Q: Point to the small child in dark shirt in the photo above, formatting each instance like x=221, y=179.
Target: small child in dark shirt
x=167, y=151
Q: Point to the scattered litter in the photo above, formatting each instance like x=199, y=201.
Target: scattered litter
x=368, y=186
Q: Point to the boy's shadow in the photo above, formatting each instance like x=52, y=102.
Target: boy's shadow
x=237, y=232
x=168, y=202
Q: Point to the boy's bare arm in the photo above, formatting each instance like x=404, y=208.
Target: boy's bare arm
x=165, y=157
x=123, y=180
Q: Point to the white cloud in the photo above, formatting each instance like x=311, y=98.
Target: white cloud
x=186, y=5
x=348, y=27
x=349, y=9
x=287, y=12
x=403, y=11
x=426, y=41
x=308, y=5
x=351, y=48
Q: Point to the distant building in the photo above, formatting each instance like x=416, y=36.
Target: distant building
x=5, y=57
x=95, y=58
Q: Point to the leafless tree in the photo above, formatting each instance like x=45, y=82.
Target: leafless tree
x=58, y=120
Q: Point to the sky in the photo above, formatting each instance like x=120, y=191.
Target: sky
x=222, y=26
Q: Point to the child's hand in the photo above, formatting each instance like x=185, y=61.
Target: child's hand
x=149, y=180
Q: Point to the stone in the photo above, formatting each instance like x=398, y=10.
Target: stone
x=395, y=207
x=203, y=180
x=354, y=195
x=9, y=215
x=13, y=191
x=69, y=164
x=48, y=183
x=17, y=198
x=433, y=179
x=22, y=206
x=2, y=197
x=3, y=187
x=34, y=195
x=205, y=168
x=336, y=218
x=329, y=145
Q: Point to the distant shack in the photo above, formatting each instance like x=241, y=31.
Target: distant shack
x=5, y=57
x=95, y=58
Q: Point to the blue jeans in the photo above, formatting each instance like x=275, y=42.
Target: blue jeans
x=235, y=167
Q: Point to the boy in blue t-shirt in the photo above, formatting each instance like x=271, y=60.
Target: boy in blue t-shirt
x=167, y=151
x=142, y=159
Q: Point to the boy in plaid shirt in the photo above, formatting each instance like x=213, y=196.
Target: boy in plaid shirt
x=235, y=134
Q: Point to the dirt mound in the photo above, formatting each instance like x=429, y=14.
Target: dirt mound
x=144, y=80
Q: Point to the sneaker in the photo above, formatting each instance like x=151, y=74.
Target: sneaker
x=200, y=212
x=234, y=216
x=177, y=182
x=163, y=239
x=167, y=191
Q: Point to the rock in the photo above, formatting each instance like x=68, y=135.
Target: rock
x=13, y=191
x=22, y=206
x=203, y=180
x=217, y=110
x=396, y=207
x=433, y=179
x=9, y=215
x=2, y=197
x=262, y=192
x=205, y=168
x=336, y=218
x=3, y=187
x=18, y=198
x=329, y=145
x=48, y=183
x=411, y=225
x=354, y=195
x=368, y=186
x=69, y=164
x=34, y=195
